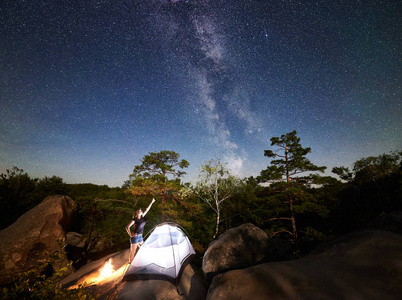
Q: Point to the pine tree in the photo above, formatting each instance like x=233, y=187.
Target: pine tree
x=151, y=177
x=283, y=175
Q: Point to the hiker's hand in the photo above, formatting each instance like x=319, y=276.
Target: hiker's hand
x=153, y=200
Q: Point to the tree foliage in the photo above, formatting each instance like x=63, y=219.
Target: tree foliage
x=159, y=174
x=290, y=162
x=19, y=193
x=321, y=206
x=214, y=186
x=373, y=186
x=42, y=281
x=370, y=168
x=152, y=176
x=289, y=194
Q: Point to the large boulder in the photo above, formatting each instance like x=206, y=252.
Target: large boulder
x=361, y=265
x=22, y=244
x=241, y=247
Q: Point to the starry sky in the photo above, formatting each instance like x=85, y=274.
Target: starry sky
x=87, y=88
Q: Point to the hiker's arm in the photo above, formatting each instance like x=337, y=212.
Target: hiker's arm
x=128, y=227
x=149, y=207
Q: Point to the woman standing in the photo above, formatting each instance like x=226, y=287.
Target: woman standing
x=139, y=222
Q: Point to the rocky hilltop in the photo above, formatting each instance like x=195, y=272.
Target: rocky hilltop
x=243, y=263
x=360, y=265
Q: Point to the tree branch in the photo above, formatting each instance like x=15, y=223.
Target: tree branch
x=276, y=232
x=216, y=211
x=282, y=218
x=229, y=218
x=116, y=200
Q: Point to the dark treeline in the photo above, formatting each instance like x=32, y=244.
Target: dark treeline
x=321, y=206
x=19, y=193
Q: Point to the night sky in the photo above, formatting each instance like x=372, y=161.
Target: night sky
x=87, y=88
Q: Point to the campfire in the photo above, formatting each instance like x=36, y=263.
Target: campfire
x=103, y=275
x=106, y=270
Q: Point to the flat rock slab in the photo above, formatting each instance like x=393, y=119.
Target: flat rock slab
x=91, y=270
x=191, y=285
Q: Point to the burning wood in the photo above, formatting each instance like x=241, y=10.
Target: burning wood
x=105, y=274
x=106, y=270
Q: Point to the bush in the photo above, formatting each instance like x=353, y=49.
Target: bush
x=43, y=281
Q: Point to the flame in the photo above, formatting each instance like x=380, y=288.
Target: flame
x=106, y=270
x=102, y=276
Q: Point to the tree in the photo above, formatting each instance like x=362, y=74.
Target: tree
x=214, y=186
x=289, y=162
x=151, y=177
x=370, y=169
x=17, y=195
x=373, y=187
x=48, y=186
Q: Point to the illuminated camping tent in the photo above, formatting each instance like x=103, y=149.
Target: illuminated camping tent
x=163, y=255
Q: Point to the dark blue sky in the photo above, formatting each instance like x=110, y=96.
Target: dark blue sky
x=87, y=88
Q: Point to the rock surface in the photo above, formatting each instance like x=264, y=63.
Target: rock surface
x=392, y=222
x=361, y=265
x=37, y=230
x=242, y=247
x=75, y=239
x=191, y=287
x=75, y=248
x=191, y=284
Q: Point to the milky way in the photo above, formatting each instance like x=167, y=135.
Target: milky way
x=88, y=89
